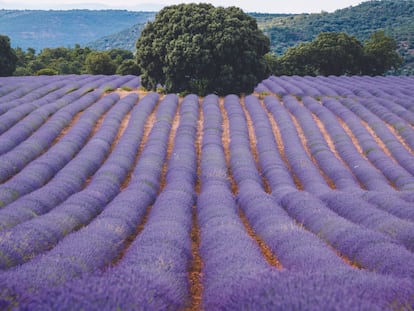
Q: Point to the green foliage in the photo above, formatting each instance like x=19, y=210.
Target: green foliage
x=120, y=55
x=8, y=58
x=202, y=49
x=339, y=54
x=271, y=62
x=380, y=54
x=129, y=67
x=100, y=63
x=336, y=54
x=297, y=61
x=73, y=61
x=126, y=88
x=395, y=17
x=47, y=72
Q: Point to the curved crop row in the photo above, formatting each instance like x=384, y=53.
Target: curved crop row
x=299, y=196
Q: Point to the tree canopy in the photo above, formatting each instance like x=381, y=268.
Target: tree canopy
x=380, y=54
x=77, y=60
x=202, y=49
x=100, y=63
x=340, y=54
x=8, y=58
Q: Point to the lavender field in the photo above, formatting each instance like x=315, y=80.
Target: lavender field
x=297, y=197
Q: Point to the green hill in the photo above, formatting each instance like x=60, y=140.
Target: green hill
x=396, y=17
x=39, y=29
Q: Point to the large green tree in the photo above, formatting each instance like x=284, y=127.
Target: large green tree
x=8, y=58
x=380, y=53
x=202, y=49
x=336, y=53
x=100, y=63
x=330, y=53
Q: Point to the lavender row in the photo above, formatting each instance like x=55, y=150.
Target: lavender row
x=325, y=87
x=10, y=88
x=354, y=208
x=26, y=92
x=23, y=129
x=312, y=268
x=398, y=112
x=336, y=86
x=99, y=243
x=264, y=289
x=133, y=83
x=43, y=232
x=305, y=86
x=230, y=257
x=301, y=164
x=297, y=249
x=384, y=198
x=67, y=175
x=28, y=171
x=392, y=171
x=270, y=160
x=320, y=151
x=368, y=175
x=341, y=290
x=372, y=250
x=110, y=83
x=240, y=151
x=12, y=112
x=44, y=137
x=158, y=258
x=402, y=127
x=32, y=101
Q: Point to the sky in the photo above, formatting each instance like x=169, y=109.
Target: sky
x=268, y=6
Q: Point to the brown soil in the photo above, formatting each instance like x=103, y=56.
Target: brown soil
x=379, y=142
x=170, y=146
x=400, y=139
x=331, y=145
x=147, y=129
x=253, y=145
x=68, y=128
x=226, y=142
x=264, y=249
x=195, y=273
x=280, y=146
x=129, y=240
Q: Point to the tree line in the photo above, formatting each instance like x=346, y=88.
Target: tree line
x=61, y=60
x=337, y=53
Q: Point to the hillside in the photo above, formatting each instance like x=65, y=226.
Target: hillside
x=396, y=17
x=107, y=29
x=39, y=29
x=122, y=40
x=297, y=197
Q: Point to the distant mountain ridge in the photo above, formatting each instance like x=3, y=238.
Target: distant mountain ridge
x=39, y=29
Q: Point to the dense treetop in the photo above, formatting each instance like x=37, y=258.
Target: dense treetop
x=202, y=49
x=336, y=53
x=8, y=58
x=75, y=60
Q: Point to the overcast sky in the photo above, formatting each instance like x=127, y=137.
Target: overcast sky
x=270, y=6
